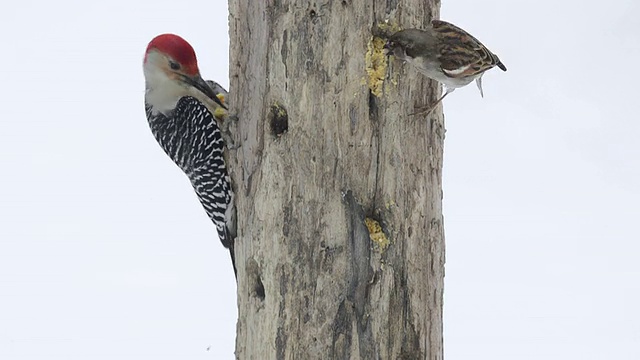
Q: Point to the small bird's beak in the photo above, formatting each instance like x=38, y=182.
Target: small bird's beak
x=201, y=85
x=388, y=48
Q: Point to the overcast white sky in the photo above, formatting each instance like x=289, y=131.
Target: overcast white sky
x=105, y=253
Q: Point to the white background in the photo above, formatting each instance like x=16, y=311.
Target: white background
x=105, y=253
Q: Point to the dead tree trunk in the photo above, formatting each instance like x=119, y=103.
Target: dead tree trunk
x=327, y=152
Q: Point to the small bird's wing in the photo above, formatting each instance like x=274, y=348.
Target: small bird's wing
x=461, y=54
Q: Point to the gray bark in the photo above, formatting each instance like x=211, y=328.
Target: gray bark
x=318, y=154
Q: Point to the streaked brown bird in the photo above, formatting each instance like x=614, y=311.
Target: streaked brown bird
x=445, y=53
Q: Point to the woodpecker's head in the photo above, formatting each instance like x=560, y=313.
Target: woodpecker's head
x=171, y=72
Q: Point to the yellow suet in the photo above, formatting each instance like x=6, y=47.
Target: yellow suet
x=376, y=60
x=220, y=113
x=376, y=65
x=376, y=234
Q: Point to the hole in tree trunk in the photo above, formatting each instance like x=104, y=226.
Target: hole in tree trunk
x=278, y=119
x=255, y=281
x=259, y=288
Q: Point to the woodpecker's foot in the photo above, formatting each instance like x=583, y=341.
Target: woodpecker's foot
x=228, y=141
x=233, y=146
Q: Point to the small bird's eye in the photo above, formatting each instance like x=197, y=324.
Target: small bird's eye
x=174, y=65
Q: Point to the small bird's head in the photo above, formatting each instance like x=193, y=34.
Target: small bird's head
x=171, y=71
x=410, y=43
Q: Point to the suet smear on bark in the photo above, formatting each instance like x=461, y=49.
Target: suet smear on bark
x=376, y=63
x=376, y=234
x=375, y=59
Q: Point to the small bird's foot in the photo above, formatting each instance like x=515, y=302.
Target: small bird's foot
x=426, y=110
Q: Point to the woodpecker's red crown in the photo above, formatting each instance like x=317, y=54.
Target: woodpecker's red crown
x=177, y=49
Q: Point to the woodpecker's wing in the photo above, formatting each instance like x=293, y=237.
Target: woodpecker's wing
x=192, y=139
x=212, y=185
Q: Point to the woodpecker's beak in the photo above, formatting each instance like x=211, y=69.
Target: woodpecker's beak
x=201, y=85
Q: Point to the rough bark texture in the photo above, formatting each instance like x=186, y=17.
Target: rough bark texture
x=319, y=153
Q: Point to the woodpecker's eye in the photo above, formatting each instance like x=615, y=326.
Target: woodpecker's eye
x=174, y=65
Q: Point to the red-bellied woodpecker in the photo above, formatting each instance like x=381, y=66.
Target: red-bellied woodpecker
x=183, y=112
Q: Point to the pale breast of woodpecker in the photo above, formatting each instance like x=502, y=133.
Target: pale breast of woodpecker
x=181, y=109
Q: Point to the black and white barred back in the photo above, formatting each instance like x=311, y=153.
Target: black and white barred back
x=192, y=139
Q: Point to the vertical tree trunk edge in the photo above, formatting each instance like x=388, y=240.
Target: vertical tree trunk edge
x=340, y=246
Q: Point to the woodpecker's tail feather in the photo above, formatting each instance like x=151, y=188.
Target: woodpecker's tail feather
x=233, y=262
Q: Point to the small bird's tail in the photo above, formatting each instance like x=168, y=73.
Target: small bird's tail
x=501, y=66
